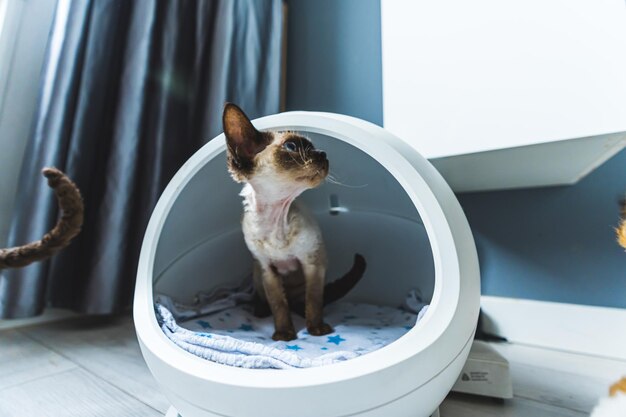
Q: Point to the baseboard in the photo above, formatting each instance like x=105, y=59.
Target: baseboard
x=51, y=314
x=599, y=331
x=574, y=328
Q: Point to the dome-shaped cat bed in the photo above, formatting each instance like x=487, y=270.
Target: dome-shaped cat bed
x=392, y=206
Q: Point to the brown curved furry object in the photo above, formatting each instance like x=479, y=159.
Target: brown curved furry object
x=620, y=231
x=68, y=226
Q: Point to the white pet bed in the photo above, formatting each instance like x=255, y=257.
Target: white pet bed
x=393, y=207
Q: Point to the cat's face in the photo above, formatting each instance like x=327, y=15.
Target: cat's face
x=281, y=157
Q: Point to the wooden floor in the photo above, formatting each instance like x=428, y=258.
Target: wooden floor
x=87, y=367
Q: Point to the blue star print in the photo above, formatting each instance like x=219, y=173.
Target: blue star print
x=335, y=339
x=245, y=327
x=294, y=347
x=204, y=324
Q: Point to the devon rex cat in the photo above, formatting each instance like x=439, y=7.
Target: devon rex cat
x=284, y=239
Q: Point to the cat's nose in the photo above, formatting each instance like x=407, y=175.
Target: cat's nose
x=321, y=154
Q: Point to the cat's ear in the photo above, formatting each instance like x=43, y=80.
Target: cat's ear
x=243, y=140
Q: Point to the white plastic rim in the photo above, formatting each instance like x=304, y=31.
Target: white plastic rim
x=397, y=369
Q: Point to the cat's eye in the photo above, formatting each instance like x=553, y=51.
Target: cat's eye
x=290, y=146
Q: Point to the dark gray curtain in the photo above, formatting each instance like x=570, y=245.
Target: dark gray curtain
x=130, y=90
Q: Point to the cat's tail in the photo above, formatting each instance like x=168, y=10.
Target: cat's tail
x=620, y=230
x=68, y=226
x=340, y=287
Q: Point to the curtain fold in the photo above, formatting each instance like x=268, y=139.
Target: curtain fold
x=130, y=90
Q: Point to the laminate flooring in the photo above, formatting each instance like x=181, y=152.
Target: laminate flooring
x=84, y=367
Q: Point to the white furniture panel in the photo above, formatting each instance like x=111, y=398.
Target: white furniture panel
x=467, y=77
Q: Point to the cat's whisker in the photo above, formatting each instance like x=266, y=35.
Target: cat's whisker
x=295, y=160
x=303, y=156
x=333, y=180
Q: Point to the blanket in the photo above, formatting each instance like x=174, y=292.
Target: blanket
x=225, y=331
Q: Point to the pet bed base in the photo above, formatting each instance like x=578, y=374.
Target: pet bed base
x=171, y=412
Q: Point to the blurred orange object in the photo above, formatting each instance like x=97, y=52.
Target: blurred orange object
x=621, y=229
x=619, y=386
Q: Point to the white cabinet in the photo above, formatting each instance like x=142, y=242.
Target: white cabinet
x=489, y=90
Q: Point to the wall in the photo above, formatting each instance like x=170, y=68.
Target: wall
x=333, y=57
x=554, y=244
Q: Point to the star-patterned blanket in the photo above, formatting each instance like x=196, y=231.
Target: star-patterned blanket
x=233, y=336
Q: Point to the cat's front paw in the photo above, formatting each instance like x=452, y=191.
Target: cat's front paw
x=284, y=335
x=320, y=330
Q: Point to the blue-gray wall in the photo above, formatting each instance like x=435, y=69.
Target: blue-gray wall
x=554, y=244
x=334, y=58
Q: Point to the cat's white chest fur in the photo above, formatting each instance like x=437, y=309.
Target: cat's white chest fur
x=279, y=233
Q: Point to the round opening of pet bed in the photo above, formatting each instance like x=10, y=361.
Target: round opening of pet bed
x=201, y=260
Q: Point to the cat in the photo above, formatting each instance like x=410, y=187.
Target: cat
x=284, y=239
x=68, y=226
